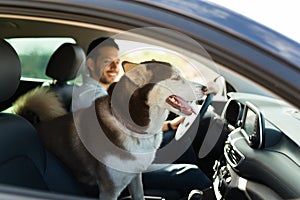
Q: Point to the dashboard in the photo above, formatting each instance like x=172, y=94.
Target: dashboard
x=261, y=154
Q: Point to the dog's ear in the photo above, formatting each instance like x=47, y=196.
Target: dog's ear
x=127, y=66
x=139, y=75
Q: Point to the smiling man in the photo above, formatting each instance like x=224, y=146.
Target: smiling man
x=103, y=69
x=103, y=62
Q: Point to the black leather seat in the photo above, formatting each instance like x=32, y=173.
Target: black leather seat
x=63, y=67
x=23, y=161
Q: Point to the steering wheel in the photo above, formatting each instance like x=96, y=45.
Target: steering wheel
x=188, y=121
x=205, y=105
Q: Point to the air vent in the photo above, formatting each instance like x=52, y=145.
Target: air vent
x=233, y=157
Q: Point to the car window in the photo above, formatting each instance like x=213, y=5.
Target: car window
x=34, y=54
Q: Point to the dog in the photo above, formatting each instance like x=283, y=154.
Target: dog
x=130, y=116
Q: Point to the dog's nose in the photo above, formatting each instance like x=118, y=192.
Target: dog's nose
x=204, y=88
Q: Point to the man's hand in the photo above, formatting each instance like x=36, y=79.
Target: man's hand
x=174, y=123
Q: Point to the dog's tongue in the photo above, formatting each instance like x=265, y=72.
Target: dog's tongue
x=180, y=104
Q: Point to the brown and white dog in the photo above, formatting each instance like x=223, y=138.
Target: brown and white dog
x=130, y=118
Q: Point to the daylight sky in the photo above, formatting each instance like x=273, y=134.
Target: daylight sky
x=282, y=16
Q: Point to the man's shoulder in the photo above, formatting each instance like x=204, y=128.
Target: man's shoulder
x=90, y=86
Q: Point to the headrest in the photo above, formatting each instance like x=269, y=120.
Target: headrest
x=10, y=70
x=65, y=62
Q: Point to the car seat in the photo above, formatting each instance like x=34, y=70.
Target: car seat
x=62, y=67
x=23, y=161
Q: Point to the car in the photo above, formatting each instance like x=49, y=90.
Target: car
x=245, y=137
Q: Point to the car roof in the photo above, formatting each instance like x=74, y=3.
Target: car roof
x=236, y=24
x=206, y=12
x=209, y=13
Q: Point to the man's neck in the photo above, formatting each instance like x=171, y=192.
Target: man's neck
x=105, y=85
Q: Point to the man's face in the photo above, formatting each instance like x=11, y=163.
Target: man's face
x=106, y=66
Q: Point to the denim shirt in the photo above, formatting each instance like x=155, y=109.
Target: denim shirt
x=87, y=93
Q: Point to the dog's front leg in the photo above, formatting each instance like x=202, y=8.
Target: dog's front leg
x=136, y=188
x=106, y=196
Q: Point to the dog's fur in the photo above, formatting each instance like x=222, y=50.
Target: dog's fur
x=34, y=102
x=144, y=88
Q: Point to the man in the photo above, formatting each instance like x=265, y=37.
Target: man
x=103, y=69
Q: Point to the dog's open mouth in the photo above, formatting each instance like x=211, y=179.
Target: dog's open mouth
x=180, y=104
